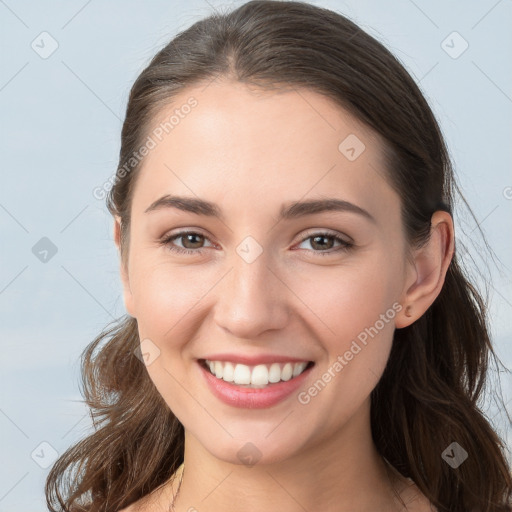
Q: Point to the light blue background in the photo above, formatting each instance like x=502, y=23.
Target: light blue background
x=61, y=119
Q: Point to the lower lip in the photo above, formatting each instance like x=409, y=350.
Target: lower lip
x=252, y=398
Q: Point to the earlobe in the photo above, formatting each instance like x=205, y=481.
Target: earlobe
x=127, y=294
x=431, y=262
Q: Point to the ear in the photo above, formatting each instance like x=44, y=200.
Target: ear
x=127, y=294
x=427, y=271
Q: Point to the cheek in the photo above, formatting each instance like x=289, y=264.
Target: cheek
x=344, y=297
x=355, y=319
x=167, y=300
x=165, y=295
x=347, y=299
x=354, y=306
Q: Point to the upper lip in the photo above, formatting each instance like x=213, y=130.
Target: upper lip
x=255, y=360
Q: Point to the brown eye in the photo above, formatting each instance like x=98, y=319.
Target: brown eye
x=318, y=242
x=322, y=242
x=191, y=242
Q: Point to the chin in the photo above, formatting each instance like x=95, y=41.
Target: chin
x=254, y=448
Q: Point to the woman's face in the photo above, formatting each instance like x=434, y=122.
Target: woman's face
x=258, y=287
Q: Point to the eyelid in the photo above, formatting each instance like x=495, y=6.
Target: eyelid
x=184, y=231
x=341, y=238
x=171, y=236
x=326, y=231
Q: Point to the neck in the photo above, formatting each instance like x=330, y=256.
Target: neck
x=343, y=472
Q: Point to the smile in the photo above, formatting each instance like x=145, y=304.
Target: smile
x=274, y=382
x=256, y=376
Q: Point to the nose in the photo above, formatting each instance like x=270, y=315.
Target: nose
x=252, y=299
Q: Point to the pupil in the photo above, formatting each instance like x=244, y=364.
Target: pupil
x=317, y=238
x=191, y=236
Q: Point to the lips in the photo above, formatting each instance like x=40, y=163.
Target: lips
x=251, y=396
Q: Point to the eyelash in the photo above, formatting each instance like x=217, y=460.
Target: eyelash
x=166, y=241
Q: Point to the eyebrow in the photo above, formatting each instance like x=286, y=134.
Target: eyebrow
x=288, y=211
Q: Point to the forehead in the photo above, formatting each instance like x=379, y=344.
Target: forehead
x=224, y=141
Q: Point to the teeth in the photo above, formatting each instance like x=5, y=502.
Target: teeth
x=286, y=373
x=298, y=369
x=274, y=374
x=259, y=375
x=242, y=374
x=255, y=376
x=229, y=372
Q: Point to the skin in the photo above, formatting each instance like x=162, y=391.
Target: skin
x=251, y=151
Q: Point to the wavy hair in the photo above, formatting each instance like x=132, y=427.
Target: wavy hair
x=428, y=396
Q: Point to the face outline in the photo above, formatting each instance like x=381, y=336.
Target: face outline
x=250, y=154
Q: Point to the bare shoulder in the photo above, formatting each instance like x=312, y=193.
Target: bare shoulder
x=159, y=498
x=156, y=501
x=415, y=500
x=131, y=508
x=145, y=504
x=141, y=505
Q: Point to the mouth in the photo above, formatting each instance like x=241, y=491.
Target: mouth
x=255, y=376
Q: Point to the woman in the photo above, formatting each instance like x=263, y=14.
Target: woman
x=300, y=334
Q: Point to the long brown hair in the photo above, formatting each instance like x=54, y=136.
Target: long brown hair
x=428, y=395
